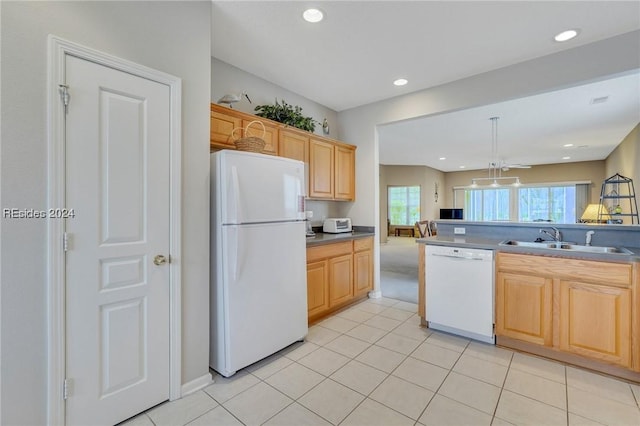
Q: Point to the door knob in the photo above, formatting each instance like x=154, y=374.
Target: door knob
x=159, y=260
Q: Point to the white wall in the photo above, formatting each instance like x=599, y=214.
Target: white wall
x=173, y=37
x=227, y=79
x=580, y=65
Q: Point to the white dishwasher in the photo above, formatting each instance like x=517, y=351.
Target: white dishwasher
x=460, y=291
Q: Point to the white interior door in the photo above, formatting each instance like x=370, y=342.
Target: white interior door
x=117, y=299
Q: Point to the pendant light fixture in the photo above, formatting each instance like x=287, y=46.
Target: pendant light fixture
x=495, y=177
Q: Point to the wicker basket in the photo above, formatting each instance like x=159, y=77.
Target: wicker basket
x=248, y=142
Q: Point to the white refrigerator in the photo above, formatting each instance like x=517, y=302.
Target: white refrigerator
x=258, y=258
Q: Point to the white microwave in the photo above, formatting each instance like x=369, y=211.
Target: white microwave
x=336, y=225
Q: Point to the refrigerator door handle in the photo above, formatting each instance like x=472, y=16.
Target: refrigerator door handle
x=233, y=243
x=235, y=188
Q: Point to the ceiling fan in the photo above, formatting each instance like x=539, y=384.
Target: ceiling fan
x=505, y=167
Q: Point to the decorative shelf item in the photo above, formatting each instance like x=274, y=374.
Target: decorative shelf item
x=618, y=200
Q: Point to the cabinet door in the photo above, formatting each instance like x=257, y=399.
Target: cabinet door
x=321, y=169
x=345, y=158
x=363, y=272
x=604, y=336
x=523, y=307
x=293, y=145
x=317, y=287
x=340, y=279
x=270, y=135
x=221, y=126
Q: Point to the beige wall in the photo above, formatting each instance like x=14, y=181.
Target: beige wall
x=625, y=160
x=593, y=171
x=423, y=176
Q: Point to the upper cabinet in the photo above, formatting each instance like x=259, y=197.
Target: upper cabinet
x=293, y=145
x=221, y=126
x=345, y=172
x=321, y=169
x=330, y=164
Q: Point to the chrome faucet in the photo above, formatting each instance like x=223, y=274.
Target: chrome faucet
x=588, y=238
x=557, y=235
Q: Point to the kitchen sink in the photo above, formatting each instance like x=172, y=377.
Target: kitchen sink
x=594, y=249
x=566, y=246
x=543, y=244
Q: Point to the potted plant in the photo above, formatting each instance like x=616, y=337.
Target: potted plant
x=286, y=114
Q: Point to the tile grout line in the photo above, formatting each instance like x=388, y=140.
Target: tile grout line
x=441, y=383
x=495, y=410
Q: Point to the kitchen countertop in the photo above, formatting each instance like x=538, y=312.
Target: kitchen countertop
x=493, y=244
x=322, y=238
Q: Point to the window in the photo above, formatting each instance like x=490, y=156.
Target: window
x=547, y=203
x=486, y=204
x=404, y=204
x=561, y=202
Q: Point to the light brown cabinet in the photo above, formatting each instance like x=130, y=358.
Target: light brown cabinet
x=331, y=164
x=362, y=266
x=340, y=279
x=321, y=169
x=294, y=145
x=571, y=306
x=317, y=287
x=345, y=160
x=523, y=307
x=338, y=274
x=221, y=125
x=595, y=321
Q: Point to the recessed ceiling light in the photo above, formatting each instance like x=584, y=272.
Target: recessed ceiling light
x=401, y=82
x=442, y=158
x=313, y=15
x=566, y=158
x=568, y=145
x=462, y=167
x=566, y=35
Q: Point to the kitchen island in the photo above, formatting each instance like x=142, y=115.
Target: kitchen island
x=576, y=306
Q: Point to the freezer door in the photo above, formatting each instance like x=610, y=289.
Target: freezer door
x=264, y=291
x=256, y=188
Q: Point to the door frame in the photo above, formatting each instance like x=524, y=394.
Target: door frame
x=58, y=48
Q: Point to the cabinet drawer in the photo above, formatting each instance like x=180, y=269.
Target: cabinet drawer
x=363, y=244
x=615, y=274
x=329, y=250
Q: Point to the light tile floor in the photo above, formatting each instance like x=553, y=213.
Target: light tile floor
x=373, y=365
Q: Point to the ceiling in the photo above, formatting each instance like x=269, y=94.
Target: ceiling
x=352, y=57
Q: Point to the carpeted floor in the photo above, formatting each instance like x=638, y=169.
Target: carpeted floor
x=399, y=269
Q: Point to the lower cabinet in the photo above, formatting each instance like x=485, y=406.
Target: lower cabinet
x=595, y=321
x=340, y=279
x=574, y=306
x=317, y=287
x=338, y=274
x=523, y=307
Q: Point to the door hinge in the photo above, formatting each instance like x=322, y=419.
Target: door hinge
x=63, y=89
x=67, y=388
x=66, y=241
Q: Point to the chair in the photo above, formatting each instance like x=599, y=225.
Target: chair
x=423, y=228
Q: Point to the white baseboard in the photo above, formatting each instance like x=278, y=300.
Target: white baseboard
x=377, y=294
x=196, y=384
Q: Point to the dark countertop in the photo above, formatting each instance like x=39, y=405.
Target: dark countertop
x=322, y=238
x=493, y=244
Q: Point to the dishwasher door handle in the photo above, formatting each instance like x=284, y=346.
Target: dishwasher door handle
x=456, y=257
